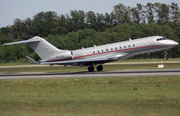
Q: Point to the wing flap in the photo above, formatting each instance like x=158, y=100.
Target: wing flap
x=74, y=61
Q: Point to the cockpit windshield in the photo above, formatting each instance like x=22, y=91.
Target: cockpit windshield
x=161, y=39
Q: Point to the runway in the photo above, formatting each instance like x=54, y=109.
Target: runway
x=85, y=74
x=112, y=63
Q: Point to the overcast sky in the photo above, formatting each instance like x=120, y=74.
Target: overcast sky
x=22, y=9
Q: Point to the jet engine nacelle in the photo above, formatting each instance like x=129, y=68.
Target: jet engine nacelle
x=63, y=55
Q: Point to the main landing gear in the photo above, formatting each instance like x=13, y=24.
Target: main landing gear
x=165, y=55
x=99, y=68
x=91, y=68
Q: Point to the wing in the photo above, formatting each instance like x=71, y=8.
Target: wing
x=102, y=59
x=74, y=61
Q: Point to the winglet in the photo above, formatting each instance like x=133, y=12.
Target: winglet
x=32, y=61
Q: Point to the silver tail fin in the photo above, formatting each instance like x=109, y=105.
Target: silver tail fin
x=43, y=48
x=32, y=61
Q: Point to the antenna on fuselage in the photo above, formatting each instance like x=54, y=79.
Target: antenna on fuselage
x=82, y=47
x=129, y=39
x=94, y=45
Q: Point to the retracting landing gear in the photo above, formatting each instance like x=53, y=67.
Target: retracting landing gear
x=99, y=68
x=165, y=55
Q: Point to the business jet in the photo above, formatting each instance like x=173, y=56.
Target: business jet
x=96, y=55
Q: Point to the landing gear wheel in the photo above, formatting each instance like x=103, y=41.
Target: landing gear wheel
x=91, y=69
x=99, y=68
x=165, y=58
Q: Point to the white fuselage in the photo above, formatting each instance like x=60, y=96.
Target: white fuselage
x=125, y=49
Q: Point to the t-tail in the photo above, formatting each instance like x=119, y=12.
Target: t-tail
x=44, y=49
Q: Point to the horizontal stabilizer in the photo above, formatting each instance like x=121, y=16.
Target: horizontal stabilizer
x=24, y=41
x=43, y=48
x=32, y=61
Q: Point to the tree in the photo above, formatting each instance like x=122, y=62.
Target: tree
x=150, y=11
x=107, y=19
x=82, y=17
x=113, y=19
x=91, y=20
x=18, y=30
x=122, y=14
x=100, y=22
x=78, y=18
x=44, y=23
x=69, y=25
x=162, y=11
x=140, y=9
x=135, y=15
x=29, y=25
x=175, y=13
x=62, y=23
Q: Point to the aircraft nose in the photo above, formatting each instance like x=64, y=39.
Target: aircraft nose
x=172, y=43
x=176, y=43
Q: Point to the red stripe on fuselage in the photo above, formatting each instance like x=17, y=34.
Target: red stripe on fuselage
x=107, y=52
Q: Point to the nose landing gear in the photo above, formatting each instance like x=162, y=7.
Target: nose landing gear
x=165, y=55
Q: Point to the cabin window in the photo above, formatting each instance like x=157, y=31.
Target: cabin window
x=93, y=52
x=133, y=45
x=124, y=46
x=119, y=47
x=129, y=46
x=106, y=50
x=159, y=39
x=98, y=51
x=115, y=48
x=102, y=51
x=111, y=49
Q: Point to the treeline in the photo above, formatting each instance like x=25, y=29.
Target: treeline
x=83, y=29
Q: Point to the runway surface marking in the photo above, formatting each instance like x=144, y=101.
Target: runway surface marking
x=85, y=74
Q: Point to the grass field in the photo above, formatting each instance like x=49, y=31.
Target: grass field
x=146, y=96
x=113, y=96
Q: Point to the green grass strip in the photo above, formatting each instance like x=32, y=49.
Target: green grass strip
x=124, y=96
